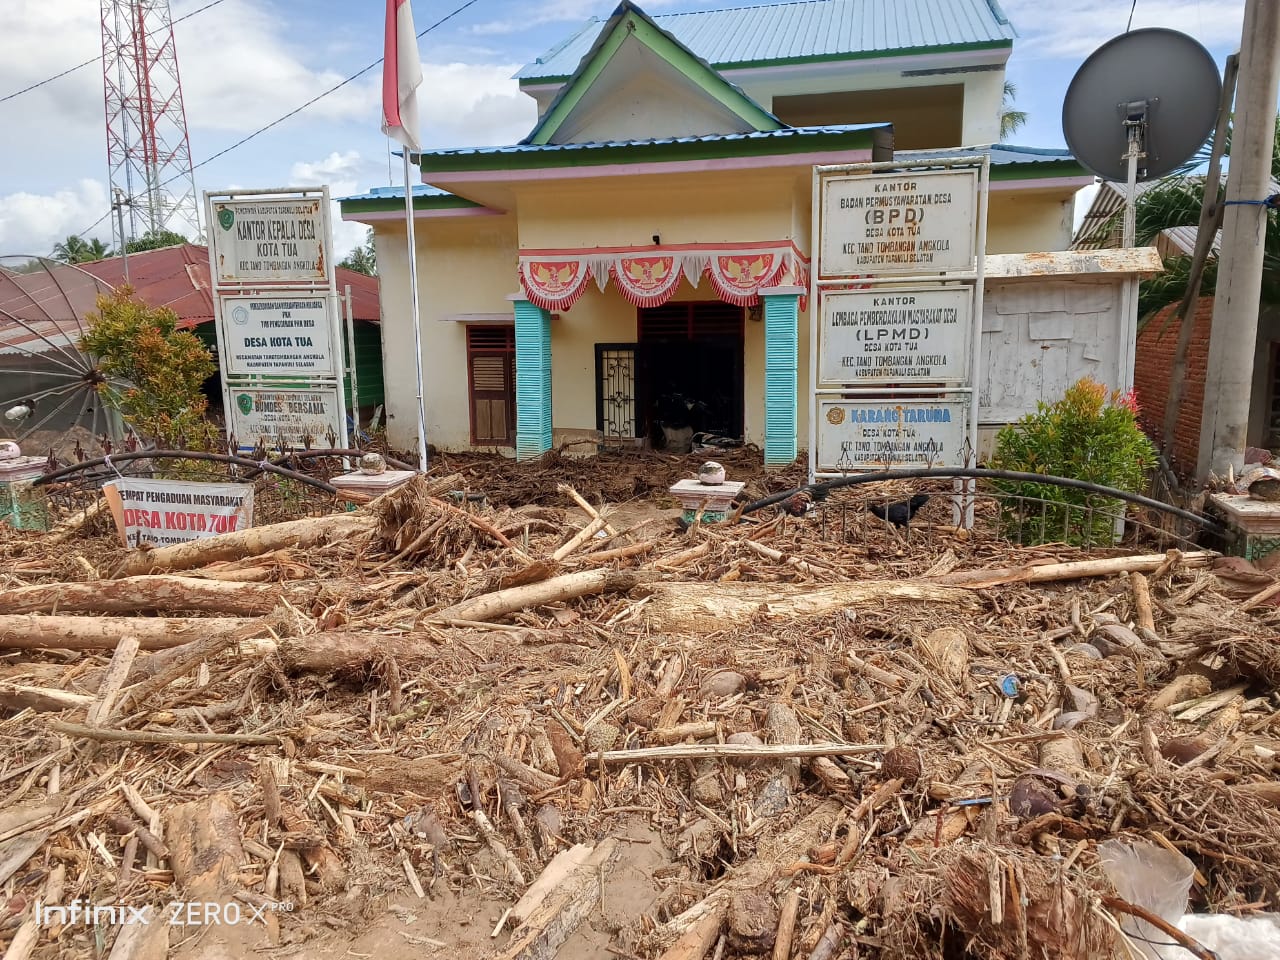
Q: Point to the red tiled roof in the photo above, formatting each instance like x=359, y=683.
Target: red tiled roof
x=178, y=278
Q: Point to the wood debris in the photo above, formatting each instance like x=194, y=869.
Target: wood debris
x=750, y=740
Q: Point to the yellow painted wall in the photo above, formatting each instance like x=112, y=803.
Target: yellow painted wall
x=922, y=117
x=1027, y=222
x=712, y=207
x=465, y=265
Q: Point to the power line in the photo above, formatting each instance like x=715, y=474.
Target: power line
x=338, y=86
x=292, y=113
x=78, y=66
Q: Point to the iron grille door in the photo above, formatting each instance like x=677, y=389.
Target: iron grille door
x=616, y=391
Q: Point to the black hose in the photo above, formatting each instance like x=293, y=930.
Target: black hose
x=185, y=455
x=982, y=473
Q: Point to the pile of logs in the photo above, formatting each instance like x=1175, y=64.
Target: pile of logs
x=824, y=753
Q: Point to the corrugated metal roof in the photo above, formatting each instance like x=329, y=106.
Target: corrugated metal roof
x=390, y=193
x=178, y=278
x=787, y=133
x=1000, y=153
x=805, y=29
x=40, y=310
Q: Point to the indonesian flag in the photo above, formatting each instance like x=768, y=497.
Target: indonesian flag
x=401, y=77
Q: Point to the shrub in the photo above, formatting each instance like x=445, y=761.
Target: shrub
x=165, y=368
x=1087, y=435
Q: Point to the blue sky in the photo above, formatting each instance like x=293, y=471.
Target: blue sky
x=246, y=62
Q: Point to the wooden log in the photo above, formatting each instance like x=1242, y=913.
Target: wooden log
x=105, y=701
x=28, y=631
x=558, y=915
x=491, y=606
x=786, y=925
x=1142, y=601
x=553, y=875
x=618, y=553
x=709, y=607
x=1074, y=570
x=144, y=594
x=694, y=943
x=587, y=508
x=204, y=846
x=1266, y=792
x=331, y=651
x=156, y=736
x=579, y=538
x=304, y=533
x=1185, y=686
x=17, y=696
x=71, y=526
x=705, y=751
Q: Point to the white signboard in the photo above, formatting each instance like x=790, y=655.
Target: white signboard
x=163, y=512
x=874, y=433
x=269, y=239
x=900, y=335
x=291, y=416
x=908, y=223
x=279, y=335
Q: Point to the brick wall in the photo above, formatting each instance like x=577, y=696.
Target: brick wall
x=1152, y=368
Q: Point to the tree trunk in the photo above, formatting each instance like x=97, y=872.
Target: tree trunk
x=143, y=594
x=308, y=532
x=32, y=631
x=491, y=606
x=708, y=607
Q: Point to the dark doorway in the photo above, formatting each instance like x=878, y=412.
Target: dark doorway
x=689, y=374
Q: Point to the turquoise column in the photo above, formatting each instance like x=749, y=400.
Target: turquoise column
x=781, y=376
x=533, y=379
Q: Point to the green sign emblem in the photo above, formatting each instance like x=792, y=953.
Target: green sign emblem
x=226, y=218
x=245, y=404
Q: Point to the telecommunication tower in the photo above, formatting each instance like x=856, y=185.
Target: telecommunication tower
x=148, y=152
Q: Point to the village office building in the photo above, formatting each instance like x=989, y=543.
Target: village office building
x=642, y=258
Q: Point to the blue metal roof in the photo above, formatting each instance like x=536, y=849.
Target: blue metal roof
x=805, y=29
x=397, y=193
x=1000, y=153
x=785, y=133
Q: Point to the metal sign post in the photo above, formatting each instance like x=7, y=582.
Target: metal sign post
x=277, y=318
x=896, y=316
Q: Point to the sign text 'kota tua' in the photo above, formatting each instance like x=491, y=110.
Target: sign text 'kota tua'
x=910, y=335
x=278, y=335
x=164, y=512
x=269, y=239
x=898, y=223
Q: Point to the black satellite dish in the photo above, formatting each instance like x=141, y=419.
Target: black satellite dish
x=1156, y=88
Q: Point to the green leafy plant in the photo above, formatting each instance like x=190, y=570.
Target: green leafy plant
x=1090, y=434
x=165, y=367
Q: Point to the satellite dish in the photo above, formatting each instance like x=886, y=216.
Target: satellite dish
x=1157, y=84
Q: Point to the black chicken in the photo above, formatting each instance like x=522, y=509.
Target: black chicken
x=803, y=502
x=900, y=513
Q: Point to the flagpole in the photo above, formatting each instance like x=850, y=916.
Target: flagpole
x=413, y=302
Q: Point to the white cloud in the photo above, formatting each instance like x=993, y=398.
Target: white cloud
x=1075, y=28
x=340, y=171
x=240, y=71
x=466, y=104
x=32, y=223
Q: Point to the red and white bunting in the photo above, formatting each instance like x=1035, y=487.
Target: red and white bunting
x=650, y=276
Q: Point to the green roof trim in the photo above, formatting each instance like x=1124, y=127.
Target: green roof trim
x=630, y=21
x=445, y=202
x=1045, y=170
x=733, y=65
x=690, y=149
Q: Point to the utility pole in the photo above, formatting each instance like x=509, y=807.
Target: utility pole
x=1233, y=342
x=118, y=207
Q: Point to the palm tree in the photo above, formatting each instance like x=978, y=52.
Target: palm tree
x=1011, y=120
x=362, y=259
x=76, y=249
x=1176, y=203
